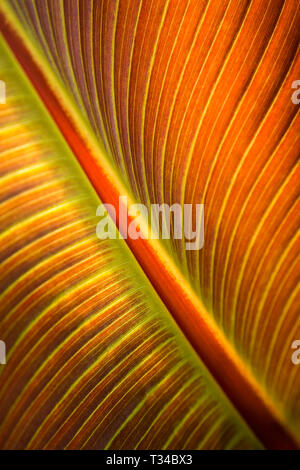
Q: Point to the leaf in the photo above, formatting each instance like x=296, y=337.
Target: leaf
x=177, y=102
x=94, y=358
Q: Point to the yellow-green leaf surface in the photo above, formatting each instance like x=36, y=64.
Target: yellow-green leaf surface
x=164, y=101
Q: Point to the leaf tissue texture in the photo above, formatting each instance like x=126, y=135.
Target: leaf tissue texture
x=184, y=102
x=94, y=359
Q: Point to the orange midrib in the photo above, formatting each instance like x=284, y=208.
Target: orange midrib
x=210, y=344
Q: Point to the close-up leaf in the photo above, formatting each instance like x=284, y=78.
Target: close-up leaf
x=139, y=342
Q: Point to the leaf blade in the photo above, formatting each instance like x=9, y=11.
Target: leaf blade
x=230, y=298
